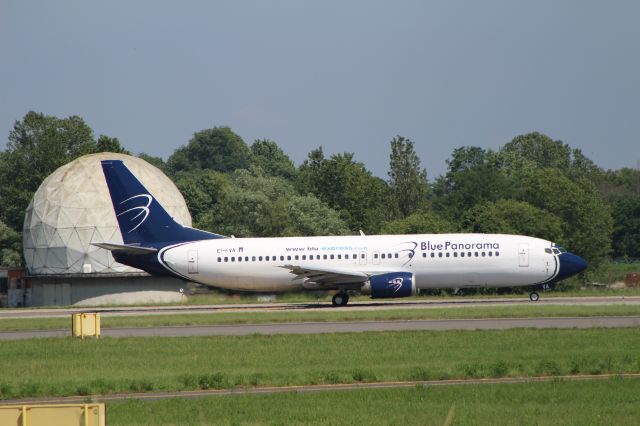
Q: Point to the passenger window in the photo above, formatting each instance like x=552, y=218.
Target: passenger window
x=468, y=254
x=410, y=255
x=440, y=254
x=288, y=257
x=461, y=254
x=497, y=253
x=253, y=258
x=396, y=255
x=375, y=256
x=281, y=257
x=447, y=254
x=332, y=257
x=455, y=254
x=324, y=257
x=383, y=255
x=355, y=256
x=433, y=255
x=246, y=258
x=233, y=259
x=296, y=257
x=362, y=256
x=304, y=257
x=219, y=259
x=424, y=254
x=226, y=259
x=483, y=254
x=490, y=254
x=476, y=254
x=339, y=256
x=239, y=258
x=260, y=258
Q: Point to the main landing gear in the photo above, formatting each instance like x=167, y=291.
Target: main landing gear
x=533, y=296
x=340, y=299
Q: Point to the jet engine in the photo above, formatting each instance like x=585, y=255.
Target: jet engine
x=391, y=285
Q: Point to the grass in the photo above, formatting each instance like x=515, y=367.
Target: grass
x=464, y=312
x=615, y=401
x=45, y=367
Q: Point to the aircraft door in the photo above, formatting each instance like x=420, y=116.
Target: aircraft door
x=523, y=255
x=192, y=261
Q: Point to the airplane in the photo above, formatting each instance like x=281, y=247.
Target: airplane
x=383, y=266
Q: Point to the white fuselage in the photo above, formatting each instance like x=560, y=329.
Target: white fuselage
x=436, y=260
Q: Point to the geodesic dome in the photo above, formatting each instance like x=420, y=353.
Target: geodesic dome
x=72, y=209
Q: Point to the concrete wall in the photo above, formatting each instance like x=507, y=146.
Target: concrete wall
x=107, y=290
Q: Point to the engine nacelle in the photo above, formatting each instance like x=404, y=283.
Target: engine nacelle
x=391, y=285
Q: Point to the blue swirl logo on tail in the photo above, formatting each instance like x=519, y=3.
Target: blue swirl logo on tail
x=143, y=210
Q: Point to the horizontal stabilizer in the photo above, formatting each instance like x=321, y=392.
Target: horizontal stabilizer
x=126, y=248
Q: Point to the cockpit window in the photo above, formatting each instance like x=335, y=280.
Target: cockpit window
x=558, y=249
x=547, y=250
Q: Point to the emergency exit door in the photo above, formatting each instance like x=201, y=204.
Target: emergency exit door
x=523, y=255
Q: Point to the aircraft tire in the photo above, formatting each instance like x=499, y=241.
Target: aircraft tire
x=533, y=296
x=340, y=299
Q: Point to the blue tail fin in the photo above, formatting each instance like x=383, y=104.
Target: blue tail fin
x=143, y=221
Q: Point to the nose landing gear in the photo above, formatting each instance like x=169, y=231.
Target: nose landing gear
x=533, y=296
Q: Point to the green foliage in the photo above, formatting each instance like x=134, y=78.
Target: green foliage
x=538, y=151
x=513, y=217
x=361, y=199
x=271, y=159
x=10, y=246
x=626, y=226
x=586, y=218
x=255, y=205
x=154, y=161
x=202, y=190
x=218, y=149
x=427, y=222
x=37, y=146
x=107, y=144
x=407, y=180
x=474, y=176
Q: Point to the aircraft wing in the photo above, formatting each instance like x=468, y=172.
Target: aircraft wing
x=327, y=276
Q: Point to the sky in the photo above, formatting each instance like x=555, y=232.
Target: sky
x=344, y=75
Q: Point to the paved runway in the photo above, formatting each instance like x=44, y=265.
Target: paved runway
x=411, y=303
x=346, y=327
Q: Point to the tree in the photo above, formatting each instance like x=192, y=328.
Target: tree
x=513, y=217
x=154, y=161
x=474, y=176
x=407, y=180
x=626, y=226
x=348, y=187
x=37, y=145
x=202, y=191
x=586, y=217
x=538, y=151
x=255, y=205
x=107, y=144
x=218, y=149
x=10, y=247
x=419, y=223
x=271, y=159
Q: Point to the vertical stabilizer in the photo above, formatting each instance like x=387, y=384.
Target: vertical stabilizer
x=142, y=220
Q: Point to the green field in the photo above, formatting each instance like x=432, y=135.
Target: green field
x=611, y=402
x=80, y=367
x=463, y=312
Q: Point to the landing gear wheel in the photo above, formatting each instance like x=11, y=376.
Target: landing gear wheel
x=340, y=299
x=534, y=296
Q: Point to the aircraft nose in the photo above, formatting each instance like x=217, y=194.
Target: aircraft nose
x=570, y=264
